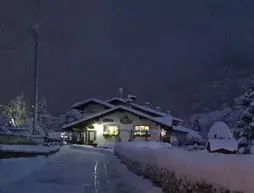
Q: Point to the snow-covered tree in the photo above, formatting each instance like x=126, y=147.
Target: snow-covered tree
x=17, y=110
x=43, y=108
x=44, y=117
x=196, y=125
x=245, y=126
x=71, y=116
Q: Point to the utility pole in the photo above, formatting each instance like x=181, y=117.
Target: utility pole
x=36, y=70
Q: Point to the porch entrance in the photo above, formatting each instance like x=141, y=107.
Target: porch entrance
x=91, y=137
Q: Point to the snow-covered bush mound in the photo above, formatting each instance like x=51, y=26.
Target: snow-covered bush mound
x=29, y=148
x=220, y=130
x=252, y=149
x=14, y=169
x=106, y=146
x=194, y=135
x=148, y=144
x=186, y=171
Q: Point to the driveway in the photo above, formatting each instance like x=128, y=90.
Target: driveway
x=76, y=171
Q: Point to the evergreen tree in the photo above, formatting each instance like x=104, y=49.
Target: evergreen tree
x=71, y=116
x=44, y=117
x=196, y=125
x=43, y=108
x=245, y=126
x=17, y=110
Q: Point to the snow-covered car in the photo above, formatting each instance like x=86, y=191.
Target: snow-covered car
x=221, y=139
x=222, y=145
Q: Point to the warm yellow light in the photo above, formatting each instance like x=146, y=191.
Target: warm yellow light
x=163, y=132
x=111, y=130
x=98, y=128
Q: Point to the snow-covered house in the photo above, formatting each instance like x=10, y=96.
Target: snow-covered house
x=119, y=119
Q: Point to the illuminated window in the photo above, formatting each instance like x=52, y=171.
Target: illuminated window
x=163, y=132
x=111, y=130
x=141, y=130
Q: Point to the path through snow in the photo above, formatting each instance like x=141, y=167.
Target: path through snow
x=76, y=171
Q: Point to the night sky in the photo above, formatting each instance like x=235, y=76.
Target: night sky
x=160, y=51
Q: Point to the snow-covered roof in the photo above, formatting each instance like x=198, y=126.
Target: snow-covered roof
x=118, y=99
x=227, y=144
x=92, y=100
x=154, y=119
x=167, y=119
x=148, y=109
x=220, y=130
x=177, y=119
x=182, y=129
x=143, y=108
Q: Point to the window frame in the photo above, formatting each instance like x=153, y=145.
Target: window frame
x=109, y=125
x=135, y=131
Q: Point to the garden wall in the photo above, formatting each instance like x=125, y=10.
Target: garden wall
x=178, y=171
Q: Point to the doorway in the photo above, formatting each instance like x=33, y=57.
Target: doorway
x=91, y=137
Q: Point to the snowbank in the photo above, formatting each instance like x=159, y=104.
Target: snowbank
x=148, y=144
x=29, y=148
x=252, y=149
x=106, y=146
x=184, y=171
x=136, y=182
x=91, y=148
x=16, y=168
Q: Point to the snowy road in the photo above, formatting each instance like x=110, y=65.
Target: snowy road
x=76, y=171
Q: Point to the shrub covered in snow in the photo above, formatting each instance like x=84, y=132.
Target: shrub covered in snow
x=220, y=130
x=186, y=171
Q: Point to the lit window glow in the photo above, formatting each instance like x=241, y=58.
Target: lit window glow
x=111, y=130
x=141, y=130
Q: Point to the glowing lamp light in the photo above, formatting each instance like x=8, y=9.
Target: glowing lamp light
x=98, y=128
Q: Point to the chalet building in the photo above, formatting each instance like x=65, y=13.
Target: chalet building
x=106, y=122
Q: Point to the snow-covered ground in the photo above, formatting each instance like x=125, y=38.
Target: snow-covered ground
x=234, y=172
x=29, y=148
x=147, y=144
x=89, y=147
x=79, y=171
x=16, y=168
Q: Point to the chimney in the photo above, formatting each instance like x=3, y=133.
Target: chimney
x=147, y=104
x=121, y=92
x=131, y=97
x=129, y=101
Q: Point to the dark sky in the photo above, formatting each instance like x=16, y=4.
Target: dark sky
x=160, y=51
